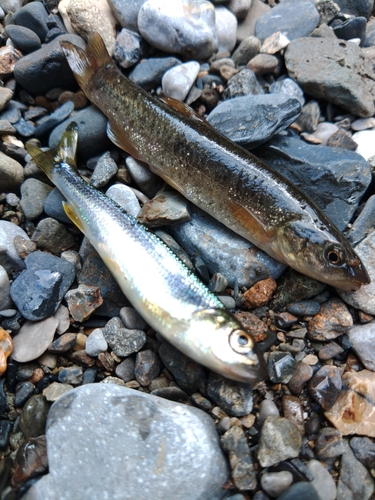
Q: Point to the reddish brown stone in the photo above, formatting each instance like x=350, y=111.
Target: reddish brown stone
x=37, y=375
x=8, y=58
x=333, y=320
x=259, y=294
x=83, y=358
x=31, y=460
x=107, y=361
x=83, y=301
x=252, y=324
x=6, y=347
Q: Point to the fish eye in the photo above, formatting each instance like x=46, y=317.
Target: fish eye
x=240, y=342
x=334, y=255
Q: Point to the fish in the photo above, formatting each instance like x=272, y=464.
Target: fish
x=220, y=177
x=172, y=300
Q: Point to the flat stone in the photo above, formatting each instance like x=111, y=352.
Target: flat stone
x=121, y=340
x=125, y=197
x=24, y=38
x=83, y=301
x=71, y=375
x=54, y=391
x=117, y=416
x=235, y=398
x=362, y=339
x=47, y=123
x=33, y=17
x=52, y=236
x=333, y=320
x=235, y=444
x=279, y=440
x=244, y=83
x=33, y=339
x=11, y=174
x=275, y=483
x=168, y=207
x=266, y=408
x=334, y=70
x=63, y=344
x=177, y=81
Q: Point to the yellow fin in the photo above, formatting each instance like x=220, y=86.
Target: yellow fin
x=69, y=210
x=257, y=232
x=85, y=63
x=183, y=108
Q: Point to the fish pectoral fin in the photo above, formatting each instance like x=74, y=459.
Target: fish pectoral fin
x=183, y=108
x=69, y=210
x=257, y=232
x=119, y=138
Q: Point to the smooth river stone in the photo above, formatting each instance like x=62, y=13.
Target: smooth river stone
x=33, y=339
x=116, y=434
x=9, y=258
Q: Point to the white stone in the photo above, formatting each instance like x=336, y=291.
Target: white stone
x=363, y=124
x=33, y=339
x=9, y=257
x=96, y=343
x=366, y=143
x=324, y=131
x=323, y=481
x=62, y=316
x=125, y=197
x=178, y=80
x=226, y=28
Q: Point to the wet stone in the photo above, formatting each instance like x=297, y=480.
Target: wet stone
x=235, y=398
x=364, y=450
x=275, y=483
x=52, y=236
x=171, y=393
x=83, y=301
x=122, y=340
x=6, y=427
x=63, y=344
x=34, y=415
x=304, y=308
x=105, y=169
x=325, y=386
x=332, y=321
x=188, y=374
x=235, y=444
x=147, y=367
x=281, y=367
x=71, y=375
x=24, y=391
x=279, y=440
x=328, y=443
x=355, y=480
x=31, y=460
x=168, y=207
x=33, y=339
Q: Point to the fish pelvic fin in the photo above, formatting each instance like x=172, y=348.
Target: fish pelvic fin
x=85, y=63
x=65, y=151
x=69, y=210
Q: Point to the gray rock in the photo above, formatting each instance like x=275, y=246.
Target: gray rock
x=121, y=340
x=235, y=444
x=33, y=16
x=12, y=111
x=168, y=207
x=356, y=7
x=226, y=28
x=325, y=386
x=71, y=375
x=34, y=415
x=355, y=481
x=281, y=367
x=52, y=236
x=53, y=206
x=33, y=196
x=24, y=38
x=243, y=83
x=125, y=369
x=275, y=483
x=117, y=417
x=46, y=68
x=334, y=179
x=364, y=298
x=235, y=398
x=47, y=123
x=364, y=450
x=9, y=257
x=125, y=197
x=96, y=343
x=105, y=169
x=132, y=319
x=289, y=87
x=300, y=490
x=329, y=443
x=279, y=440
x=246, y=50
x=179, y=27
x=33, y=339
x=362, y=338
x=177, y=81
x=364, y=224
x=126, y=12
x=148, y=182
x=5, y=300
x=129, y=48
x=11, y=174
x=148, y=73
x=147, y=367
x=252, y=120
x=316, y=64
x=175, y=247
x=323, y=481
x=223, y=251
x=286, y=18
x=266, y=408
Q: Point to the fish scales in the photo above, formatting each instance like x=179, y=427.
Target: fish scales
x=217, y=175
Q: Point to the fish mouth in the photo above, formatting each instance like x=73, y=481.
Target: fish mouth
x=353, y=284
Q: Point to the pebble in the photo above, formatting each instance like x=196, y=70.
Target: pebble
x=96, y=343
x=300, y=490
x=353, y=411
x=121, y=340
x=362, y=124
x=226, y=28
x=34, y=415
x=333, y=320
x=179, y=27
x=33, y=16
x=125, y=369
x=62, y=316
x=304, y=308
x=279, y=440
x=148, y=182
x=24, y=390
x=6, y=348
x=52, y=236
x=148, y=73
x=126, y=12
x=53, y=206
x=54, y=391
x=47, y=123
x=364, y=450
x=147, y=367
x=33, y=196
x=325, y=386
x=253, y=119
x=105, y=169
x=274, y=43
x=354, y=480
x=235, y=398
x=286, y=18
x=244, y=83
x=281, y=367
x=188, y=374
x=259, y=294
x=292, y=410
x=314, y=63
x=171, y=393
x=329, y=443
x=356, y=7
x=160, y=423
x=31, y=460
x=329, y=351
x=33, y=339
x=9, y=258
x=275, y=483
x=63, y=344
x=247, y=49
x=168, y=207
x=132, y=319
x=125, y=197
x=129, y=47
x=223, y=251
x=266, y=408
x=71, y=375
x=39, y=290
x=177, y=81
x=362, y=341
x=12, y=174
x=352, y=28
x=346, y=176
x=25, y=39
x=234, y=442
x=264, y=64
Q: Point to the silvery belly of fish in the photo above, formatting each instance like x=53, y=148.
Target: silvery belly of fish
x=162, y=289
x=217, y=175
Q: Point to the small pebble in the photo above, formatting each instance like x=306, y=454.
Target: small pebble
x=96, y=343
x=71, y=375
x=178, y=80
x=279, y=440
x=325, y=386
x=266, y=408
x=147, y=367
x=275, y=483
x=54, y=391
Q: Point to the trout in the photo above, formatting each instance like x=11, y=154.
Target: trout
x=161, y=288
x=220, y=177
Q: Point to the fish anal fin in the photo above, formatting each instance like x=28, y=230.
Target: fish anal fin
x=120, y=139
x=257, y=232
x=69, y=210
x=183, y=108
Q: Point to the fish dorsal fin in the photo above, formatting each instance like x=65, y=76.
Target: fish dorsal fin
x=182, y=108
x=64, y=152
x=69, y=210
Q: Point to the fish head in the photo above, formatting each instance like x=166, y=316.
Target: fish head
x=231, y=351
x=322, y=254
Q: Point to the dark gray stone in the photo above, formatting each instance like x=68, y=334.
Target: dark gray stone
x=304, y=308
x=148, y=73
x=23, y=392
x=52, y=236
x=125, y=369
x=329, y=443
x=171, y=393
x=300, y=490
x=364, y=450
x=325, y=386
x=147, y=367
x=279, y=440
x=6, y=427
x=137, y=432
x=288, y=87
x=105, y=169
x=47, y=123
x=281, y=367
x=352, y=28
x=53, y=206
x=356, y=7
x=33, y=16
x=364, y=224
x=34, y=416
x=235, y=398
x=235, y=444
x=334, y=179
x=46, y=68
x=12, y=112
x=24, y=38
x=243, y=83
x=129, y=48
x=126, y=12
x=122, y=341
x=286, y=17
x=33, y=195
x=252, y=120
x=71, y=375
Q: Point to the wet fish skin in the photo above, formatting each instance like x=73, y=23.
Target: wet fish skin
x=217, y=175
x=162, y=289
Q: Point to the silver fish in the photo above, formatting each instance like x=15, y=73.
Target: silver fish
x=160, y=287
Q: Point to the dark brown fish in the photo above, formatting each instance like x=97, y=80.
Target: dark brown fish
x=217, y=175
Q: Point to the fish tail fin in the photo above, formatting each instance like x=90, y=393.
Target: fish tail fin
x=85, y=63
x=65, y=151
